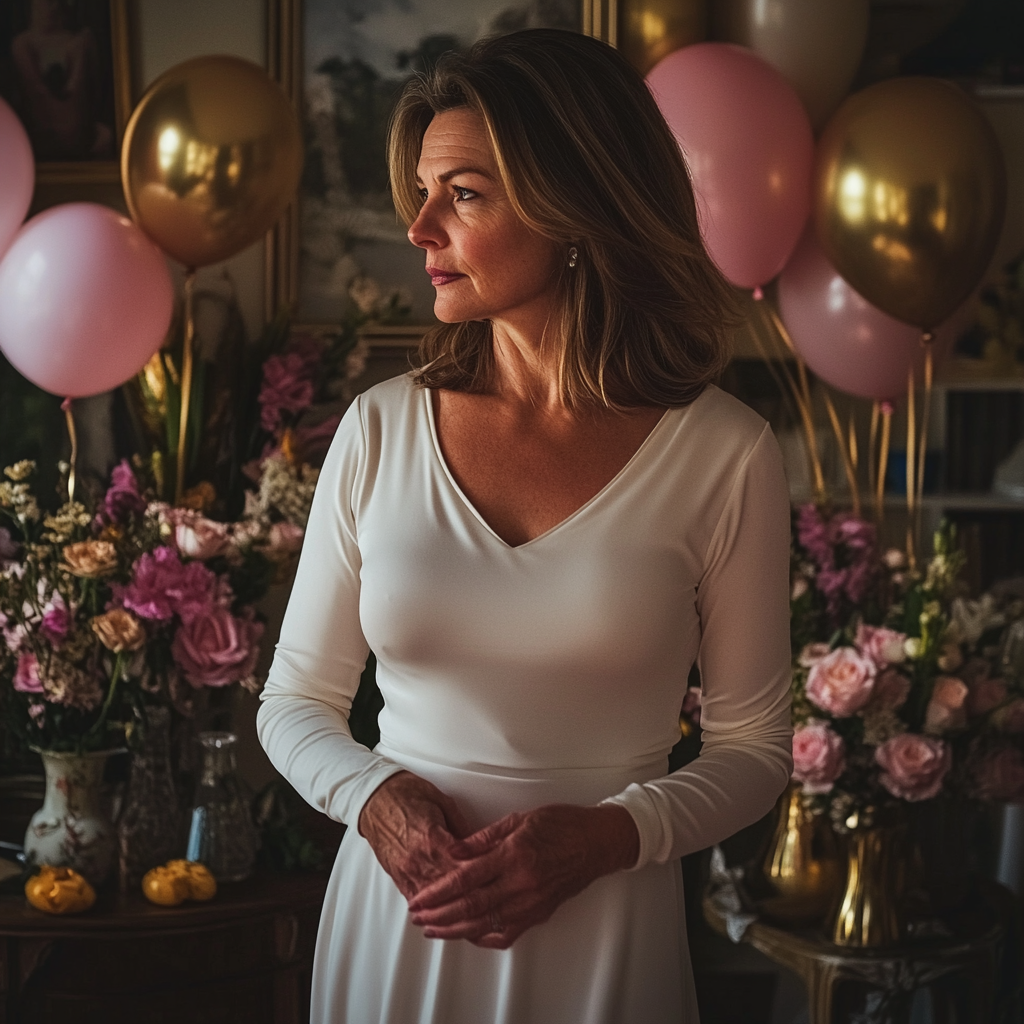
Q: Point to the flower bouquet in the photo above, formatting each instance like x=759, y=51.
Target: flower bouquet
x=903, y=689
x=904, y=692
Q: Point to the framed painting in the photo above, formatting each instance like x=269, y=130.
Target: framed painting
x=344, y=62
x=64, y=68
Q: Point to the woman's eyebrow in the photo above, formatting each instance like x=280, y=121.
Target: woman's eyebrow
x=448, y=175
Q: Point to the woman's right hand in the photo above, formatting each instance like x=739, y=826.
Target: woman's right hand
x=411, y=826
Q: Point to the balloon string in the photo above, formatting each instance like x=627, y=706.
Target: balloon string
x=186, y=384
x=803, y=399
x=910, y=460
x=883, y=461
x=848, y=465
x=929, y=369
x=873, y=454
x=73, y=435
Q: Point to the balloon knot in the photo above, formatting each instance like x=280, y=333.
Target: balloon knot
x=887, y=408
x=65, y=405
x=927, y=337
x=758, y=294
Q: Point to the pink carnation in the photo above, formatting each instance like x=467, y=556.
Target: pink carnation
x=818, y=757
x=842, y=682
x=947, y=708
x=26, y=676
x=217, y=649
x=1000, y=777
x=913, y=766
x=56, y=622
x=883, y=646
x=162, y=586
x=123, y=496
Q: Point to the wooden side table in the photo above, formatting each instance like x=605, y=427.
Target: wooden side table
x=246, y=956
x=876, y=986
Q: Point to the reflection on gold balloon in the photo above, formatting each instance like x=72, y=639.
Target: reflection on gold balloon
x=211, y=157
x=652, y=29
x=909, y=194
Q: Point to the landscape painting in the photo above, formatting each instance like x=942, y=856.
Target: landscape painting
x=357, y=54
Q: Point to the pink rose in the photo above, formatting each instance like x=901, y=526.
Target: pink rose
x=57, y=620
x=883, y=646
x=818, y=757
x=914, y=766
x=947, y=708
x=812, y=654
x=217, y=648
x=1011, y=718
x=197, y=537
x=842, y=682
x=1000, y=777
x=26, y=676
x=891, y=690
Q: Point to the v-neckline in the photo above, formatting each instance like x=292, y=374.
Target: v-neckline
x=464, y=498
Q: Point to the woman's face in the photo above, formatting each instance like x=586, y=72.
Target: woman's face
x=484, y=262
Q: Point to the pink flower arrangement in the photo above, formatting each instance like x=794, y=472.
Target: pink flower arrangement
x=900, y=693
x=287, y=387
x=819, y=756
x=842, y=682
x=914, y=767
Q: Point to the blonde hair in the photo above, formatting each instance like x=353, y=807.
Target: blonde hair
x=588, y=161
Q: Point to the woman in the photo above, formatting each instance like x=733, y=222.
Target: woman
x=537, y=533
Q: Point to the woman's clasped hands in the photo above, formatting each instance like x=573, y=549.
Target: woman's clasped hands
x=492, y=885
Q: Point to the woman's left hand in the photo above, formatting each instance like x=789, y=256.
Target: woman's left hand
x=517, y=871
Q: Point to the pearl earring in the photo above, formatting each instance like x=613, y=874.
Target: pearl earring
x=573, y=255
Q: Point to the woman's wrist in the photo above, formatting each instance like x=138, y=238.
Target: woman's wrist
x=620, y=837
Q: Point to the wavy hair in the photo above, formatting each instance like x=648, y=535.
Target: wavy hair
x=588, y=161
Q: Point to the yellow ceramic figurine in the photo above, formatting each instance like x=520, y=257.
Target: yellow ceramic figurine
x=177, y=881
x=59, y=891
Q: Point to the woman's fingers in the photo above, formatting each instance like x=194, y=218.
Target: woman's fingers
x=486, y=838
x=464, y=882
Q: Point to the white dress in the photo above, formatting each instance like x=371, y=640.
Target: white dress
x=518, y=676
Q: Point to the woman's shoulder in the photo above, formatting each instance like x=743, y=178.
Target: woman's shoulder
x=731, y=421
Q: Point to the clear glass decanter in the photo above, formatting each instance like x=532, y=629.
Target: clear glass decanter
x=222, y=835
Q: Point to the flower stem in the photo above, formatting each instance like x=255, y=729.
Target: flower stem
x=114, y=679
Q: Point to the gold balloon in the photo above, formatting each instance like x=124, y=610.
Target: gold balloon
x=211, y=157
x=909, y=194
x=652, y=29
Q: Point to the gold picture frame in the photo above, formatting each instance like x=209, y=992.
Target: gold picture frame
x=61, y=178
x=285, y=63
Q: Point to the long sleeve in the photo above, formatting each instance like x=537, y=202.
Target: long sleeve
x=744, y=660
x=303, y=718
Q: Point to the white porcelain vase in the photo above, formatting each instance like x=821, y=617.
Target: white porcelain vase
x=73, y=827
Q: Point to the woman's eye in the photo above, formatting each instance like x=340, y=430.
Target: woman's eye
x=422, y=193
x=462, y=194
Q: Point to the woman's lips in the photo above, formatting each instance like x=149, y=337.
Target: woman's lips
x=439, y=277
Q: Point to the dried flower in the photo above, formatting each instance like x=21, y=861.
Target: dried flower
x=90, y=558
x=119, y=630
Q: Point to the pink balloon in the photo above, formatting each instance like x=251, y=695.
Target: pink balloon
x=748, y=143
x=846, y=341
x=85, y=300
x=17, y=175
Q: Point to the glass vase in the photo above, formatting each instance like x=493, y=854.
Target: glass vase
x=222, y=835
x=73, y=828
x=871, y=910
x=149, y=831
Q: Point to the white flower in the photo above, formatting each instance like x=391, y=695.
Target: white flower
x=972, y=618
x=912, y=646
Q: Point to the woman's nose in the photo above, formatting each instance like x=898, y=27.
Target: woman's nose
x=425, y=231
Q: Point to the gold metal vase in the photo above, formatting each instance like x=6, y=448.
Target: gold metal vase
x=803, y=864
x=870, y=911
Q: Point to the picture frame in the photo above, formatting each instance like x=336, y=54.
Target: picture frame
x=314, y=223
x=67, y=72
